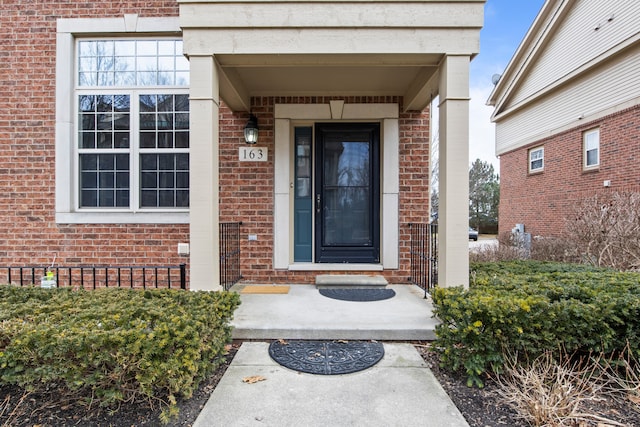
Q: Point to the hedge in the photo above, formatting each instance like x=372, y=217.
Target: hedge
x=527, y=307
x=113, y=344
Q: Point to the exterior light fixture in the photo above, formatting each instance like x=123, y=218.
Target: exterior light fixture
x=251, y=130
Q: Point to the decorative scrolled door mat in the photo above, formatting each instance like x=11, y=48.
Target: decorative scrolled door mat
x=326, y=357
x=363, y=294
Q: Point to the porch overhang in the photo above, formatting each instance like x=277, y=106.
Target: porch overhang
x=346, y=48
x=414, y=49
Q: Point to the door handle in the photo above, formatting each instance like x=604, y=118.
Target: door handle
x=318, y=203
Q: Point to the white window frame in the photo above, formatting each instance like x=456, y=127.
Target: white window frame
x=66, y=166
x=588, y=137
x=532, y=160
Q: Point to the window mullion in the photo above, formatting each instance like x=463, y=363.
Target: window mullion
x=135, y=153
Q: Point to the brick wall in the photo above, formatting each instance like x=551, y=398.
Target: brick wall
x=27, y=160
x=27, y=146
x=247, y=187
x=543, y=201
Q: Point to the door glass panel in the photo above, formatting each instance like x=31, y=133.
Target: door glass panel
x=347, y=199
x=303, y=202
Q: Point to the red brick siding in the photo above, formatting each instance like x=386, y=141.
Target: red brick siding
x=27, y=141
x=247, y=188
x=543, y=201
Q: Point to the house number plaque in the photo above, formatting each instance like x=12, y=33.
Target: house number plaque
x=253, y=154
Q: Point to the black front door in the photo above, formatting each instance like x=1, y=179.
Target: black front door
x=347, y=193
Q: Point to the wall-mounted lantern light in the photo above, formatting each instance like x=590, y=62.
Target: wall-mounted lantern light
x=251, y=130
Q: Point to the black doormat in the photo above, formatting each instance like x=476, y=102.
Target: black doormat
x=326, y=357
x=358, y=294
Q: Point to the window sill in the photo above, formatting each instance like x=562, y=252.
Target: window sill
x=536, y=172
x=122, y=218
x=591, y=169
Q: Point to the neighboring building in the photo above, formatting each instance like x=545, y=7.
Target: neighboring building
x=567, y=112
x=122, y=133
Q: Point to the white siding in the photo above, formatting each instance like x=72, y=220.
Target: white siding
x=576, y=42
x=614, y=85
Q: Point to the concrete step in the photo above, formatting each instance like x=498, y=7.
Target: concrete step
x=304, y=313
x=350, y=281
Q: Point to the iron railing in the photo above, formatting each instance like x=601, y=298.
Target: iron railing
x=139, y=277
x=92, y=277
x=229, y=254
x=424, y=255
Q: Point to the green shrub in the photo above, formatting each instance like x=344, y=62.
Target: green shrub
x=113, y=344
x=528, y=307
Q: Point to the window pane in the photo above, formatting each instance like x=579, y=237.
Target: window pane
x=89, y=179
x=87, y=140
x=167, y=185
x=182, y=139
x=167, y=47
x=147, y=78
x=89, y=198
x=182, y=162
x=182, y=121
x=147, y=121
x=148, y=48
x=592, y=157
x=149, y=180
x=147, y=140
x=166, y=198
x=122, y=198
x=149, y=162
x=165, y=103
x=104, y=140
x=99, y=180
x=166, y=161
x=106, y=198
x=182, y=180
x=125, y=48
x=149, y=198
x=121, y=140
x=165, y=140
x=182, y=198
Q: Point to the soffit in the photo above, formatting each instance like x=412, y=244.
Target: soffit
x=327, y=75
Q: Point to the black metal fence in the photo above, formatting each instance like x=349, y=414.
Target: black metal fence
x=139, y=277
x=424, y=255
x=92, y=277
x=229, y=254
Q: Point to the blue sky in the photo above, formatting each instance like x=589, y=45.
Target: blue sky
x=505, y=24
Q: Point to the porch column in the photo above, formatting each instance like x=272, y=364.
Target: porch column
x=204, y=180
x=453, y=263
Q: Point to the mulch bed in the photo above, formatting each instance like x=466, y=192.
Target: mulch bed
x=481, y=407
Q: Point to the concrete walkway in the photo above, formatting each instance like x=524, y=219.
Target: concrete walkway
x=399, y=391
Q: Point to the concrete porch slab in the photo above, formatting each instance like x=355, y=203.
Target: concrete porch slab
x=305, y=314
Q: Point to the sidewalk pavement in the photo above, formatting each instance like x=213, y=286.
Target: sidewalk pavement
x=398, y=391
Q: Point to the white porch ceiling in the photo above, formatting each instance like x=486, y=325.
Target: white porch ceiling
x=327, y=75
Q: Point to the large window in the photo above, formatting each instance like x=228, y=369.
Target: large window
x=591, y=148
x=536, y=159
x=132, y=125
